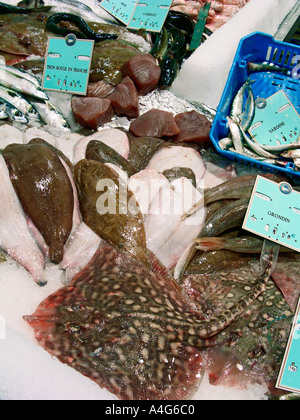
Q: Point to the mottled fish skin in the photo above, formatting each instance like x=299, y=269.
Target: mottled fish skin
x=251, y=349
x=129, y=329
x=45, y=192
x=110, y=210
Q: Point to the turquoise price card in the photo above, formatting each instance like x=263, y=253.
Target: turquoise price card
x=289, y=376
x=120, y=9
x=274, y=213
x=150, y=15
x=276, y=121
x=68, y=64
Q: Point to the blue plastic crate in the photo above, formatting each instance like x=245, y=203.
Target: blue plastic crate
x=258, y=47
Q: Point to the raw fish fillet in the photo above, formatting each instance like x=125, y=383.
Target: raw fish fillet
x=92, y=112
x=79, y=250
x=114, y=138
x=178, y=157
x=144, y=72
x=155, y=123
x=167, y=234
x=125, y=99
x=15, y=238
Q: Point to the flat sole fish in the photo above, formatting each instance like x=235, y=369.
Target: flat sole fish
x=130, y=329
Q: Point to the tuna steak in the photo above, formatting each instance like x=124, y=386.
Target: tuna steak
x=193, y=127
x=125, y=99
x=92, y=112
x=144, y=72
x=45, y=192
x=155, y=123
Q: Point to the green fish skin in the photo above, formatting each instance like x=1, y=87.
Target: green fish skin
x=110, y=210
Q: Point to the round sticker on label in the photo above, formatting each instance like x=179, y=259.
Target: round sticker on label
x=285, y=188
x=261, y=103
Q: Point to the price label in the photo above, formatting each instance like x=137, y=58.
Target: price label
x=289, y=376
x=274, y=213
x=68, y=64
x=120, y=9
x=143, y=14
x=276, y=121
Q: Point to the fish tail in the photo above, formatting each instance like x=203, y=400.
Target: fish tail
x=209, y=244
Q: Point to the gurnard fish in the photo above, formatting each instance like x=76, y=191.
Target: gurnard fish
x=251, y=349
x=15, y=238
x=130, y=329
x=45, y=192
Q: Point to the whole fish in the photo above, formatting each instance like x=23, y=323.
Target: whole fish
x=245, y=245
x=13, y=113
x=256, y=147
x=262, y=67
x=131, y=329
x=19, y=83
x=18, y=101
x=236, y=135
x=21, y=73
x=238, y=102
x=110, y=209
x=52, y=116
x=45, y=192
x=15, y=238
x=286, y=148
x=248, y=115
x=236, y=188
x=292, y=154
x=228, y=217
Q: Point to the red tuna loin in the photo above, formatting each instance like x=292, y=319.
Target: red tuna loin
x=100, y=90
x=194, y=127
x=92, y=112
x=155, y=123
x=144, y=72
x=125, y=99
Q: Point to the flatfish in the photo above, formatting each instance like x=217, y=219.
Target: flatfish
x=110, y=209
x=45, y=192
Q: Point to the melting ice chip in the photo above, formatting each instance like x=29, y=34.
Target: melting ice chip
x=297, y=211
x=263, y=196
x=84, y=58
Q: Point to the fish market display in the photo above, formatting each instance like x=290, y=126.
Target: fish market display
x=128, y=223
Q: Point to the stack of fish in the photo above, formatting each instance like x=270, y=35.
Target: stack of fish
x=240, y=120
x=23, y=101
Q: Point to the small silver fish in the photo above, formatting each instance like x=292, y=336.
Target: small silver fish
x=262, y=67
x=20, y=84
x=248, y=115
x=21, y=73
x=256, y=147
x=236, y=135
x=238, y=102
x=52, y=116
x=292, y=154
x=17, y=100
x=13, y=113
x=286, y=148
